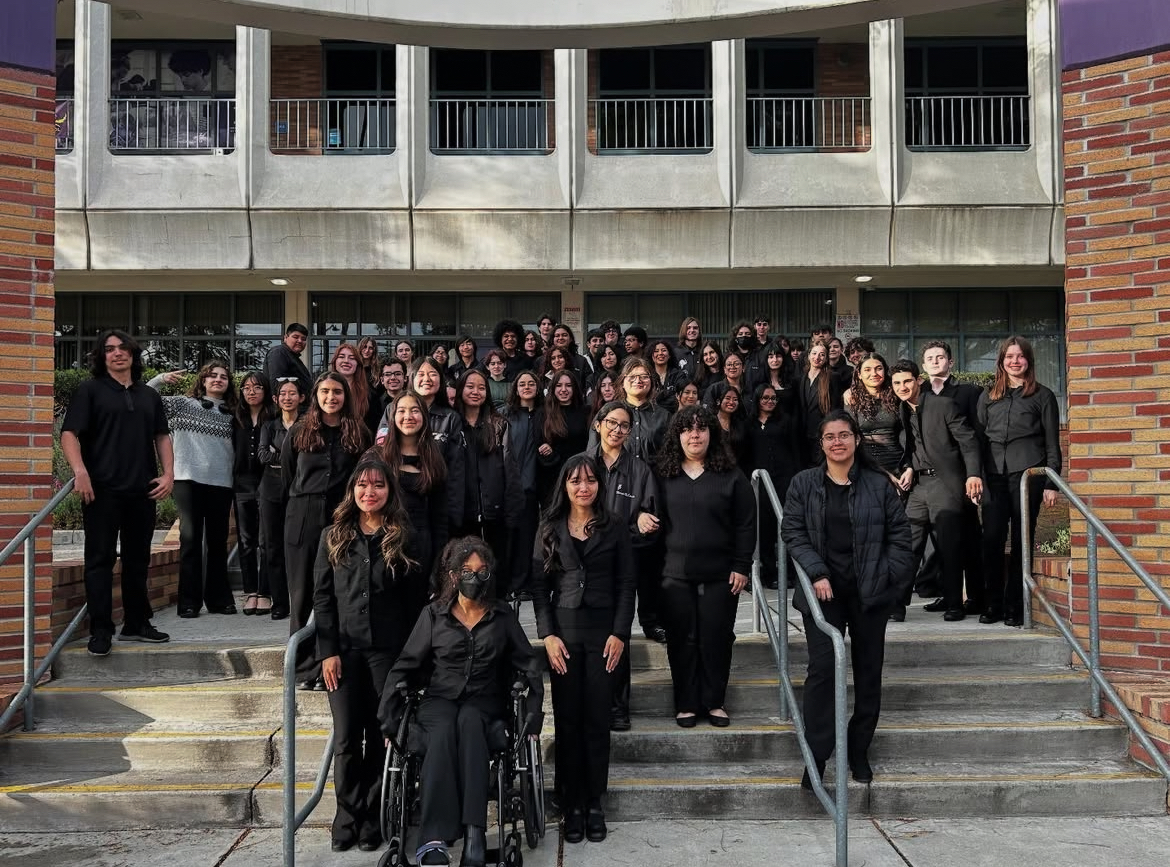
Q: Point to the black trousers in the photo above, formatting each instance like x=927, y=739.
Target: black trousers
x=248, y=539
x=935, y=503
x=648, y=561
x=109, y=515
x=700, y=630
x=358, y=747
x=204, y=510
x=867, y=646
x=1001, y=510
x=305, y=518
x=972, y=556
x=272, y=545
x=581, y=709
x=455, y=776
x=521, y=543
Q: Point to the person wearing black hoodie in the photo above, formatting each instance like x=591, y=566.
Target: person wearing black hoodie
x=507, y=336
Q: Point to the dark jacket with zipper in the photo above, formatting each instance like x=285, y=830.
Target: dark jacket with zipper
x=631, y=488
x=247, y=470
x=604, y=578
x=447, y=430
x=493, y=479
x=648, y=423
x=360, y=604
x=1021, y=432
x=272, y=436
x=883, y=558
x=523, y=434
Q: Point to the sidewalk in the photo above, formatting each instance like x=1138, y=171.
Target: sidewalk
x=887, y=843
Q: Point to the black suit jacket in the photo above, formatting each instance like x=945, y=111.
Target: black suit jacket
x=949, y=443
x=966, y=398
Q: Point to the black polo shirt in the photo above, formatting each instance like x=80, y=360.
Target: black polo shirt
x=116, y=426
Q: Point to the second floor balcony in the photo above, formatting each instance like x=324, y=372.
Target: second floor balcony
x=493, y=126
x=172, y=125
x=348, y=125
x=652, y=125
x=968, y=123
x=809, y=124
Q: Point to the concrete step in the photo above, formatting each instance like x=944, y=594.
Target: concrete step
x=234, y=658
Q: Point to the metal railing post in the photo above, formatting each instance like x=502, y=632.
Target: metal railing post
x=289, y=754
x=1094, y=622
x=756, y=576
x=30, y=619
x=782, y=616
x=1025, y=547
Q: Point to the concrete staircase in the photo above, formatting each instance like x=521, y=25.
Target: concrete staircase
x=976, y=721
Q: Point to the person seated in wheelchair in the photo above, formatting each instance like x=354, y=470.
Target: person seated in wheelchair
x=464, y=650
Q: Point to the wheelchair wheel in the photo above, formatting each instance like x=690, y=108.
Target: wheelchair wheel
x=395, y=812
x=513, y=856
x=392, y=857
x=532, y=795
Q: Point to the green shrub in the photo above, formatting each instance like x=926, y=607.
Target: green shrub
x=983, y=380
x=67, y=515
x=1060, y=543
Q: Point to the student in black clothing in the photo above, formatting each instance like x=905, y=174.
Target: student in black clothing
x=252, y=412
x=362, y=604
x=507, y=336
x=285, y=360
x=648, y=420
x=688, y=395
x=446, y=427
x=465, y=356
x=1021, y=423
x=727, y=402
x=316, y=460
x=412, y=453
x=710, y=369
x=562, y=426
x=273, y=495
x=686, y=351
x=584, y=602
x=819, y=392
x=524, y=399
x=668, y=378
x=844, y=524
x=631, y=492
x=393, y=381
x=115, y=436
x=709, y=516
x=465, y=692
x=772, y=443
x=494, y=498
x=838, y=366
x=364, y=406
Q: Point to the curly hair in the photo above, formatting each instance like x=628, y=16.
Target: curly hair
x=670, y=457
x=431, y=466
x=868, y=405
x=450, y=562
x=558, y=508
x=306, y=434
x=199, y=390
x=395, y=522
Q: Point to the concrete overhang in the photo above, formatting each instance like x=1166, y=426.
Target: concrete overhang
x=546, y=23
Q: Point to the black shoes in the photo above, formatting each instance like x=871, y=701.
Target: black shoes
x=1013, y=619
x=806, y=782
x=687, y=722
x=575, y=826
x=341, y=845
x=720, y=721
x=619, y=721
x=991, y=615
x=99, y=644
x=372, y=845
x=312, y=684
x=655, y=633
x=954, y=614
x=146, y=633
x=188, y=613
x=862, y=772
x=279, y=613
x=230, y=608
x=972, y=608
x=595, y=828
x=939, y=604
x=474, y=847
x=898, y=614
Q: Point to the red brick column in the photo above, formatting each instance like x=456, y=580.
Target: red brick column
x=1117, y=180
x=27, y=136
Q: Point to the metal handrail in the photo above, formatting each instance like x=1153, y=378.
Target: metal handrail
x=653, y=124
x=26, y=698
x=777, y=629
x=968, y=122
x=352, y=125
x=808, y=123
x=292, y=818
x=1091, y=660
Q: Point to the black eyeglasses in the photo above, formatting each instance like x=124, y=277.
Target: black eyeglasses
x=483, y=576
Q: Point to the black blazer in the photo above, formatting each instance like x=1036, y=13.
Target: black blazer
x=951, y=447
x=605, y=578
x=966, y=397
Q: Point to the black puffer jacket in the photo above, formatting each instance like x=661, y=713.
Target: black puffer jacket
x=883, y=557
x=493, y=491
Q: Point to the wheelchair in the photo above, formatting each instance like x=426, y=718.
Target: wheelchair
x=517, y=770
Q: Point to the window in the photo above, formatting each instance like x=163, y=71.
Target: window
x=172, y=96
x=653, y=99
x=175, y=330
x=967, y=94
x=973, y=322
x=63, y=116
x=358, y=112
x=489, y=101
x=423, y=318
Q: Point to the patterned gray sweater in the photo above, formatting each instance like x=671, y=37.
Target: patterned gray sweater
x=203, y=438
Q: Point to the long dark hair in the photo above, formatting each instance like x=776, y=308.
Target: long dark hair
x=455, y=553
x=306, y=434
x=432, y=468
x=824, y=376
x=597, y=400
x=860, y=455
x=868, y=405
x=97, y=357
x=555, y=426
x=513, y=399
x=670, y=456
x=395, y=521
x=491, y=423
x=440, y=396
x=559, y=507
x=359, y=391
x=244, y=409
x=1002, y=383
x=702, y=375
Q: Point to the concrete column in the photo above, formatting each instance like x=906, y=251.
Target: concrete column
x=724, y=112
x=253, y=90
x=737, y=84
x=1043, y=79
x=92, y=92
x=888, y=92
x=576, y=103
x=413, y=116
x=563, y=115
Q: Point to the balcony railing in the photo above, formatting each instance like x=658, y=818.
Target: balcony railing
x=682, y=125
x=355, y=125
x=500, y=126
x=808, y=123
x=172, y=125
x=968, y=123
x=63, y=118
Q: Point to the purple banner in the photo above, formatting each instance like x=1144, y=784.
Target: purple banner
x=1097, y=31
x=27, y=33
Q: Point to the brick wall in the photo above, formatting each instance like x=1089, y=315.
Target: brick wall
x=26, y=346
x=1117, y=179
x=69, y=587
x=843, y=70
x=297, y=73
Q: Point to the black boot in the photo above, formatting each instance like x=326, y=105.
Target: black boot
x=474, y=847
x=806, y=782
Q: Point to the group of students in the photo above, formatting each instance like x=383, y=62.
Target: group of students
x=404, y=499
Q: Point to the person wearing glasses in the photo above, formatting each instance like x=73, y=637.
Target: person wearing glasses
x=709, y=516
x=393, y=381
x=115, y=436
x=252, y=413
x=201, y=424
x=459, y=650
x=290, y=402
x=631, y=492
x=846, y=527
x=584, y=603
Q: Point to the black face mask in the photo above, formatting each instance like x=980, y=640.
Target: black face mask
x=474, y=585
x=743, y=342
